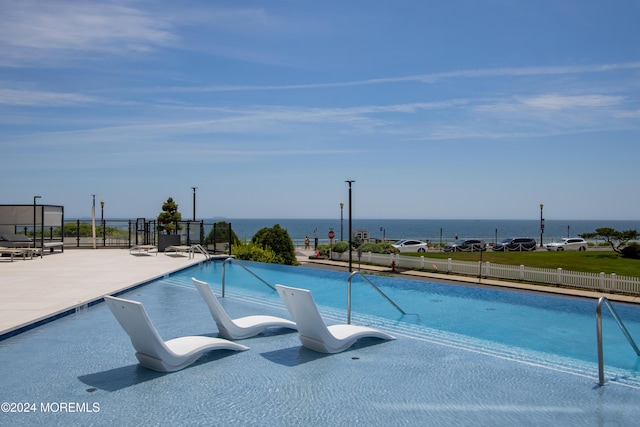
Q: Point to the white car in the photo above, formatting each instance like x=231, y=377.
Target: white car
x=568, y=244
x=407, y=245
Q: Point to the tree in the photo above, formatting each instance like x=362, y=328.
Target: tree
x=617, y=239
x=220, y=233
x=169, y=217
x=278, y=240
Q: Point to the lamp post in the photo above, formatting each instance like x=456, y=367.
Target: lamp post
x=34, y=219
x=341, y=220
x=541, y=224
x=93, y=220
x=104, y=226
x=350, y=233
x=194, y=203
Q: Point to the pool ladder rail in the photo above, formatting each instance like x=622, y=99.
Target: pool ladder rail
x=604, y=301
x=202, y=250
x=351, y=276
x=228, y=260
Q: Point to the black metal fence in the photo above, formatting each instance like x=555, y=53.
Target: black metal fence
x=127, y=233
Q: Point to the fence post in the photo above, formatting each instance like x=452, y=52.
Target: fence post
x=602, y=281
x=614, y=282
x=422, y=262
x=448, y=265
x=559, y=279
x=487, y=271
x=521, y=272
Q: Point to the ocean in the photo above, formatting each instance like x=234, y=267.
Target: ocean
x=434, y=230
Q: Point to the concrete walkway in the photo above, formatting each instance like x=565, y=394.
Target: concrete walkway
x=35, y=289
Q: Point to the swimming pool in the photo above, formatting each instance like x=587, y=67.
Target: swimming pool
x=557, y=326
x=436, y=373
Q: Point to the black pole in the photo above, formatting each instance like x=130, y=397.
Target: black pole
x=350, y=233
x=341, y=221
x=194, y=203
x=541, y=224
x=34, y=220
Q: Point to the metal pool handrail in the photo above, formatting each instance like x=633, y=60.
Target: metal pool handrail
x=246, y=269
x=373, y=286
x=604, y=301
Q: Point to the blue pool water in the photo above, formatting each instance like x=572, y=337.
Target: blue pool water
x=549, y=324
x=464, y=356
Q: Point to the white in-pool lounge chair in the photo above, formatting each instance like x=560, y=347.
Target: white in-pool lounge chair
x=154, y=353
x=314, y=334
x=240, y=328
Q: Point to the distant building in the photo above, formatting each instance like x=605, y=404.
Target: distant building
x=362, y=235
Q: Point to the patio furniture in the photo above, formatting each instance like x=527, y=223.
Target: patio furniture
x=154, y=353
x=314, y=334
x=240, y=328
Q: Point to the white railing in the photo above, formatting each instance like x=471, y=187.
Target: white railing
x=600, y=282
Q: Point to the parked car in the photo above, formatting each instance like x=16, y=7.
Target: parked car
x=407, y=245
x=470, y=245
x=568, y=244
x=516, y=244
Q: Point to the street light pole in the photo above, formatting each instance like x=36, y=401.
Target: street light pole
x=541, y=224
x=93, y=220
x=341, y=220
x=194, y=203
x=350, y=233
x=34, y=219
x=104, y=226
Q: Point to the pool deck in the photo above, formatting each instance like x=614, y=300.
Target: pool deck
x=37, y=289
x=33, y=290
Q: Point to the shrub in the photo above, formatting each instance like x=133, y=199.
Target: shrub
x=254, y=252
x=221, y=230
x=632, y=250
x=340, y=247
x=377, y=248
x=278, y=240
x=169, y=218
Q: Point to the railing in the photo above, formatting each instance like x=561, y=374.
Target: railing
x=228, y=260
x=373, y=286
x=199, y=248
x=604, y=301
x=600, y=282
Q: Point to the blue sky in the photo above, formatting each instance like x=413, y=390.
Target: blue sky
x=437, y=109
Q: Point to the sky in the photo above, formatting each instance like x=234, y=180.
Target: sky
x=460, y=109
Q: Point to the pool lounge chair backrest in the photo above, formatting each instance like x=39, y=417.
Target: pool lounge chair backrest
x=304, y=311
x=240, y=328
x=223, y=321
x=134, y=320
x=314, y=334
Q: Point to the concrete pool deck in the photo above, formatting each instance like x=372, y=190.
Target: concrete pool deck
x=40, y=288
x=36, y=289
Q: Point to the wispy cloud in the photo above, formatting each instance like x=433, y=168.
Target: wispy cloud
x=41, y=98
x=422, y=78
x=31, y=31
x=561, y=102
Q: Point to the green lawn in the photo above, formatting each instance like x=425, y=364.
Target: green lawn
x=590, y=261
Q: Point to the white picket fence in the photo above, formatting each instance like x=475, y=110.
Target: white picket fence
x=601, y=282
